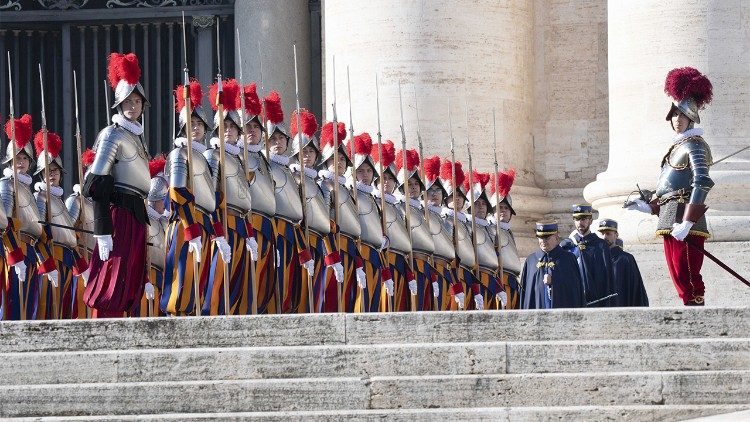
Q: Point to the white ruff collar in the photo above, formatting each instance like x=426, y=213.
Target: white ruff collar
x=696, y=131
x=503, y=225
x=311, y=173
x=250, y=147
x=197, y=146
x=42, y=186
x=415, y=203
x=280, y=159
x=481, y=221
x=388, y=197
x=22, y=177
x=133, y=127
x=232, y=149
x=152, y=213
x=365, y=188
x=436, y=210
x=328, y=175
x=449, y=213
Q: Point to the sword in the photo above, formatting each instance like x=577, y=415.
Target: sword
x=730, y=155
x=602, y=299
x=710, y=256
x=15, y=177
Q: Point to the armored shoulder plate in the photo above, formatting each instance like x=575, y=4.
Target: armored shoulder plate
x=509, y=253
x=121, y=154
x=348, y=215
x=156, y=248
x=369, y=219
x=204, y=188
x=465, y=245
x=317, y=208
x=6, y=194
x=28, y=213
x=286, y=192
x=421, y=238
x=396, y=226
x=237, y=195
x=73, y=204
x=261, y=187
x=486, y=254
x=441, y=237
x=58, y=215
x=685, y=167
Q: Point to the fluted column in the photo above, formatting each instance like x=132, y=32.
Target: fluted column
x=646, y=40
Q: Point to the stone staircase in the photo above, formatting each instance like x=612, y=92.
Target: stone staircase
x=592, y=364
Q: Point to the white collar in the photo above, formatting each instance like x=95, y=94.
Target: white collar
x=232, y=149
x=133, y=127
x=311, y=173
x=449, y=213
x=574, y=233
x=197, y=146
x=250, y=147
x=22, y=177
x=415, y=203
x=696, y=131
x=328, y=175
x=42, y=186
x=365, y=188
x=481, y=221
x=280, y=159
x=152, y=213
x=436, y=210
x=391, y=199
x=503, y=225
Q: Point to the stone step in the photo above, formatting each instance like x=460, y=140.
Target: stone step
x=543, y=390
x=423, y=327
x=124, y=366
x=644, y=413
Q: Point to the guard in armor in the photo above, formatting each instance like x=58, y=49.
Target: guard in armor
x=263, y=201
x=24, y=240
x=190, y=223
x=399, y=245
x=346, y=230
x=69, y=264
x=423, y=245
x=683, y=184
x=293, y=257
x=445, y=252
x=81, y=210
x=594, y=259
x=118, y=183
x=158, y=220
x=240, y=248
x=550, y=276
x=628, y=280
x=372, y=240
x=461, y=237
x=507, y=242
x=486, y=267
x=328, y=268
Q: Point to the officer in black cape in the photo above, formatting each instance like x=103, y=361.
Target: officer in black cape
x=628, y=280
x=550, y=276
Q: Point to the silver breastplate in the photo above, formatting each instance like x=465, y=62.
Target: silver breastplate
x=486, y=255
x=421, y=238
x=85, y=219
x=238, y=191
x=122, y=154
x=369, y=219
x=465, y=245
x=441, y=237
x=678, y=171
x=156, y=248
x=396, y=226
x=28, y=212
x=58, y=215
x=317, y=209
x=509, y=253
x=348, y=216
x=203, y=183
x=286, y=192
x=261, y=187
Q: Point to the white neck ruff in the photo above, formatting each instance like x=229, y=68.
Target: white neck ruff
x=133, y=127
x=696, y=131
x=232, y=149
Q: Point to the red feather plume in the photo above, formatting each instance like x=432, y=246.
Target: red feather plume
x=446, y=171
x=123, y=67
x=389, y=153
x=688, y=82
x=505, y=181
x=253, y=106
x=432, y=168
x=196, y=95
x=157, y=165
x=307, y=120
x=274, y=112
x=230, y=95
x=54, y=143
x=87, y=158
x=481, y=178
x=412, y=159
x=23, y=130
x=362, y=144
x=326, y=134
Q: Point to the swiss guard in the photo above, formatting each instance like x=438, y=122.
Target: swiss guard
x=507, y=242
x=550, y=276
x=118, y=182
x=628, y=280
x=594, y=259
x=445, y=252
x=460, y=231
x=684, y=184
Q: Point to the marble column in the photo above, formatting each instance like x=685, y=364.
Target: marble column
x=646, y=40
x=468, y=52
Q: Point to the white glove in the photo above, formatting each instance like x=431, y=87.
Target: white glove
x=639, y=205
x=252, y=246
x=224, y=249
x=388, y=287
x=85, y=276
x=338, y=272
x=195, y=245
x=309, y=266
x=180, y=142
x=459, y=298
x=681, y=230
x=479, y=302
x=385, y=243
x=149, y=289
x=104, y=242
x=20, y=269
x=413, y=287
x=503, y=298
x=435, y=289
x=53, y=278
x=361, y=278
